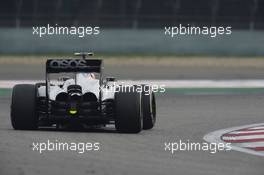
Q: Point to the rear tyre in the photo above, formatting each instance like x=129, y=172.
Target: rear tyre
x=148, y=107
x=128, y=111
x=23, y=107
x=40, y=84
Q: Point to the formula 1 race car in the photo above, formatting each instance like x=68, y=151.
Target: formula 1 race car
x=82, y=96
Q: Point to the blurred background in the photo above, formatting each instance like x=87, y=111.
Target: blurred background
x=133, y=27
x=137, y=14
x=135, y=31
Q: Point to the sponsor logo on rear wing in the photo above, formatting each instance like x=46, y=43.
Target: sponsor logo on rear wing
x=73, y=65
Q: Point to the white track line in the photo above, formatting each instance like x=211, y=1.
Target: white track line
x=255, y=144
x=243, y=137
x=215, y=137
x=259, y=127
x=243, y=132
x=169, y=83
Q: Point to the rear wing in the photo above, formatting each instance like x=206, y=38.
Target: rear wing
x=73, y=65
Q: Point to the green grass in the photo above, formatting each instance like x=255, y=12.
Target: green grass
x=187, y=91
x=215, y=90
x=5, y=91
x=127, y=55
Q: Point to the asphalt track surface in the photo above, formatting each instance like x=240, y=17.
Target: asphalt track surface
x=180, y=117
x=37, y=72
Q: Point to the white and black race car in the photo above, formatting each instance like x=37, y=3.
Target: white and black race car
x=85, y=98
